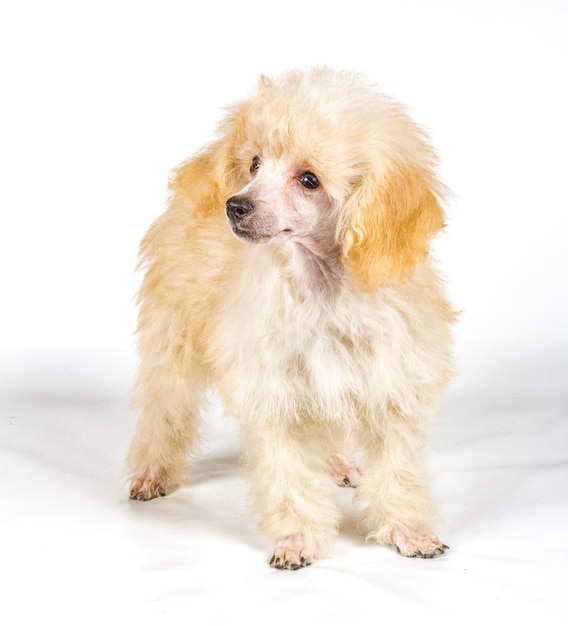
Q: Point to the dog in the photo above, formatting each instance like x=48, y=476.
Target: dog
x=291, y=273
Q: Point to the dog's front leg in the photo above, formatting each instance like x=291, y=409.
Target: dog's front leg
x=291, y=491
x=395, y=487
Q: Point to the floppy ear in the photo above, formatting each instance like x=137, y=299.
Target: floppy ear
x=391, y=222
x=210, y=177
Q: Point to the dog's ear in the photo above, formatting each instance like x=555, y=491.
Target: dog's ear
x=390, y=221
x=210, y=177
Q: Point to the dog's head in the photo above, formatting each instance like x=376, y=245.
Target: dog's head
x=320, y=156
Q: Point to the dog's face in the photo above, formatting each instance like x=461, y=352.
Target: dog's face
x=282, y=200
x=339, y=165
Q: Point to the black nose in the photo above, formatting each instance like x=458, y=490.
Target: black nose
x=238, y=207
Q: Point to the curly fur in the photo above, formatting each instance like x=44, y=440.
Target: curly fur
x=315, y=348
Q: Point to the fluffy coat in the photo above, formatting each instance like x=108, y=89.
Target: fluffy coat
x=322, y=323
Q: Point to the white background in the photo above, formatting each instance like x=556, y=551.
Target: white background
x=99, y=102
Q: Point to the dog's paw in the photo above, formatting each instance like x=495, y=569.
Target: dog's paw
x=349, y=478
x=146, y=488
x=292, y=552
x=414, y=544
x=345, y=474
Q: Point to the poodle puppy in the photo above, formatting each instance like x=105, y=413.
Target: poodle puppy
x=290, y=271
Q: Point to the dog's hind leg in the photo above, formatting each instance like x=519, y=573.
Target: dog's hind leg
x=344, y=473
x=168, y=391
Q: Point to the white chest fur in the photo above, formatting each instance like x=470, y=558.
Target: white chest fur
x=281, y=348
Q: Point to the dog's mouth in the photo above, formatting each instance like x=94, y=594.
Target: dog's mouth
x=252, y=235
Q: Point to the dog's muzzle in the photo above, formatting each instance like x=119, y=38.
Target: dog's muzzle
x=238, y=208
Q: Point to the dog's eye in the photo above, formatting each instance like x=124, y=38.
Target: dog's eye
x=309, y=180
x=255, y=164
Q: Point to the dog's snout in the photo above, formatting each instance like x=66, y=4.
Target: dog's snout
x=238, y=207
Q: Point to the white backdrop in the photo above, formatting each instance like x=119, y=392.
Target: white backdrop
x=100, y=100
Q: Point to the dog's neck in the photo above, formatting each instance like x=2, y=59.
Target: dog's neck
x=320, y=263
